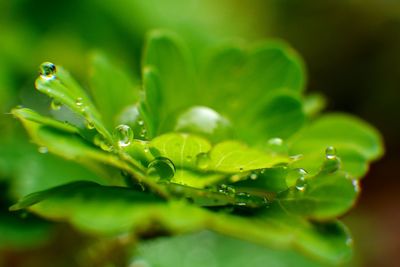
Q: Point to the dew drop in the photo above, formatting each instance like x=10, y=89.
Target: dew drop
x=253, y=176
x=89, y=124
x=43, y=150
x=356, y=185
x=123, y=135
x=204, y=121
x=202, y=161
x=332, y=163
x=277, y=146
x=161, y=168
x=48, y=71
x=141, y=122
x=55, y=105
x=301, y=184
x=99, y=141
x=242, y=198
x=79, y=101
x=294, y=175
x=330, y=152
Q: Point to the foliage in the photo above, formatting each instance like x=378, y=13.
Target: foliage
x=231, y=149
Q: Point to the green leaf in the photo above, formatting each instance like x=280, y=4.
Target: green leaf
x=61, y=87
x=118, y=209
x=233, y=157
x=324, y=196
x=169, y=56
x=112, y=88
x=182, y=149
x=212, y=249
x=356, y=143
x=269, y=67
x=151, y=104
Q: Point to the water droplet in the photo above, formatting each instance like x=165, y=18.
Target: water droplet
x=100, y=141
x=141, y=122
x=253, y=176
x=161, y=168
x=242, y=198
x=294, y=175
x=296, y=157
x=227, y=190
x=301, y=183
x=43, y=150
x=89, y=124
x=275, y=141
x=48, y=71
x=277, y=146
x=241, y=169
x=123, y=135
x=332, y=163
x=204, y=121
x=79, y=101
x=55, y=105
x=202, y=161
x=330, y=152
x=356, y=185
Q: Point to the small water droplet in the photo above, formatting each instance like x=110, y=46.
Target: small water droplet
x=330, y=152
x=89, y=124
x=100, y=141
x=241, y=169
x=123, y=135
x=294, y=175
x=161, y=168
x=141, y=122
x=242, y=198
x=253, y=176
x=301, y=183
x=48, y=71
x=202, y=161
x=332, y=163
x=277, y=146
x=55, y=105
x=227, y=190
x=356, y=185
x=296, y=157
x=275, y=141
x=43, y=150
x=79, y=101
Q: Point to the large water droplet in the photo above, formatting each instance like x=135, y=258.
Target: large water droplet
x=123, y=135
x=55, y=105
x=161, y=168
x=294, y=175
x=204, y=121
x=332, y=163
x=48, y=71
x=202, y=161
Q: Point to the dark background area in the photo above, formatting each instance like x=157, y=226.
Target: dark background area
x=351, y=49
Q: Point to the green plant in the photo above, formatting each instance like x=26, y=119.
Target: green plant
x=268, y=178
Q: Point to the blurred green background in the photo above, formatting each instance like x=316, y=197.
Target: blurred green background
x=351, y=48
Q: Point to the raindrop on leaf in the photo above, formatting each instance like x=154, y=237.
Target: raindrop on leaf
x=48, y=71
x=161, y=168
x=123, y=135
